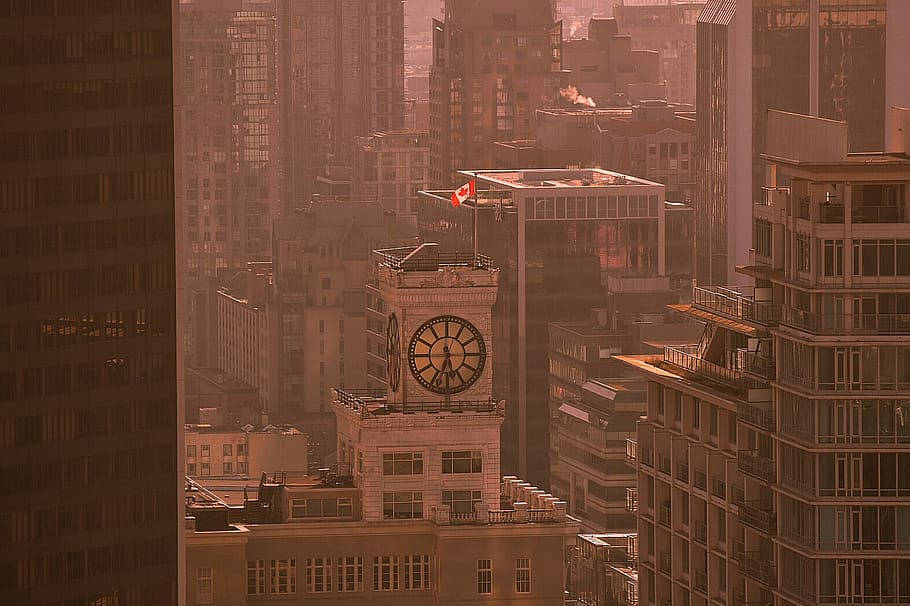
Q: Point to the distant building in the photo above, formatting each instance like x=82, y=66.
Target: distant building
x=605, y=71
x=343, y=68
x=416, y=512
x=839, y=61
x=391, y=167
x=652, y=140
x=494, y=64
x=604, y=570
x=668, y=28
x=245, y=452
x=558, y=237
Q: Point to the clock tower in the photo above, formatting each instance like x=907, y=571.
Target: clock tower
x=438, y=325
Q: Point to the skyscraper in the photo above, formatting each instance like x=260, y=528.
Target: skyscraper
x=494, y=64
x=827, y=58
x=343, y=77
x=88, y=389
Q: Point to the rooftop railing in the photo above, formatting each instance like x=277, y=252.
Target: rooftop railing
x=756, y=364
x=686, y=359
x=373, y=403
x=736, y=303
x=431, y=261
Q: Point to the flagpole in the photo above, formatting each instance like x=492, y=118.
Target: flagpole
x=475, y=217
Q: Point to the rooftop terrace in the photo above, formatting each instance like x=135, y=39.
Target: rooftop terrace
x=561, y=178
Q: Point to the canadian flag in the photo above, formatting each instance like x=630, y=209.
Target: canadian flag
x=464, y=192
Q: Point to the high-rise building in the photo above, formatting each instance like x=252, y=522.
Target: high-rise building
x=562, y=240
x=228, y=147
x=391, y=167
x=771, y=464
x=417, y=512
x=343, y=77
x=494, y=64
x=89, y=424
x=830, y=58
x=667, y=27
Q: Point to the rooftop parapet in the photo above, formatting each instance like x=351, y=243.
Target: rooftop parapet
x=368, y=404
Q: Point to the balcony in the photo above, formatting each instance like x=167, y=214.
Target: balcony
x=631, y=499
x=775, y=197
x=758, y=566
x=685, y=358
x=832, y=214
x=756, y=416
x=719, y=488
x=631, y=451
x=701, y=532
x=663, y=463
x=664, y=562
x=682, y=472
x=701, y=479
x=755, y=364
x=873, y=213
x=701, y=581
x=758, y=516
x=755, y=465
x=739, y=549
x=739, y=599
x=738, y=304
x=846, y=325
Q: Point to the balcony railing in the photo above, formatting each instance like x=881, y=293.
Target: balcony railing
x=831, y=213
x=631, y=499
x=719, y=488
x=774, y=196
x=738, y=304
x=739, y=599
x=877, y=214
x=631, y=451
x=664, y=562
x=737, y=495
x=682, y=472
x=664, y=515
x=755, y=465
x=701, y=581
x=739, y=549
x=753, y=363
x=701, y=479
x=759, y=566
x=686, y=359
x=759, y=517
x=663, y=463
x=843, y=324
x=701, y=532
x=755, y=416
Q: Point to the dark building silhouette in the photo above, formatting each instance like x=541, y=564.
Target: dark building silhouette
x=89, y=425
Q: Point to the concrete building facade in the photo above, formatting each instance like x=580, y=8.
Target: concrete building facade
x=391, y=167
x=247, y=452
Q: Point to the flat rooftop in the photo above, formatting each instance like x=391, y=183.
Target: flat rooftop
x=557, y=178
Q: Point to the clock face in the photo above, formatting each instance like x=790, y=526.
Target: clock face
x=393, y=353
x=447, y=354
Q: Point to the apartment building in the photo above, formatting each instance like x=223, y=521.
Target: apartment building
x=667, y=27
x=494, y=64
x=770, y=462
x=416, y=512
x=604, y=570
x=391, y=167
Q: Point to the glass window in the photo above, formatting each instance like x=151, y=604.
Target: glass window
x=484, y=576
x=462, y=461
x=416, y=572
x=402, y=505
x=402, y=463
x=461, y=501
x=283, y=576
x=350, y=573
x=318, y=575
x=523, y=575
x=226, y=450
x=385, y=573
x=205, y=591
x=255, y=577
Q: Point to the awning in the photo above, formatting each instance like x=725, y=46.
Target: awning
x=575, y=412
